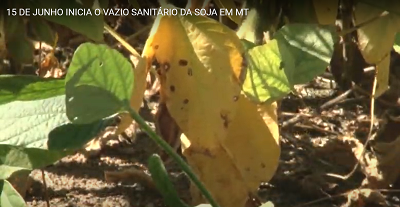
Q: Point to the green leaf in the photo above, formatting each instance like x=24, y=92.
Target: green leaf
x=21, y=49
x=24, y=127
x=9, y=197
x=247, y=44
x=18, y=46
x=88, y=25
x=14, y=25
x=16, y=158
x=27, y=123
x=163, y=183
x=28, y=87
x=311, y=46
x=99, y=83
x=75, y=136
x=269, y=73
x=42, y=30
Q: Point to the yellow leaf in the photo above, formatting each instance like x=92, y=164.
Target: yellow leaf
x=140, y=73
x=200, y=74
x=382, y=76
x=248, y=156
x=230, y=142
x=326, y=11
x=376, y=38
x=253, y=140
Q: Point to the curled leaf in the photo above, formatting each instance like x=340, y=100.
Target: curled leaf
x=163, y=183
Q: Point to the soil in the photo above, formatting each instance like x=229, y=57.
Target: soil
x=314, y=145
x=308, y=155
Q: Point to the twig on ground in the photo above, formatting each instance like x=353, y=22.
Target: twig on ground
x=337, y=99
x=294, y=114
x=352, y=100
x=292, y=121
x=293, y=139
x=317, y=128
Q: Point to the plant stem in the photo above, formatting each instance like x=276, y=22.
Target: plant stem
x=121, y=40
x=46, y=193
x=135, y=35
x=171, y=152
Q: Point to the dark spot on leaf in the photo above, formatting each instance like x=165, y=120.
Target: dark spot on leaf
x=247, y=169
x=183, y=62
x=190, y=72
x=224, y=117
x=186, y=101
x=101, y=64
x=156, y=47
x=262, y=165
x=207, y=152
x=182, y=108
x=235, y=98
x=281, y=65
x=166, y=66
x=172, y=88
